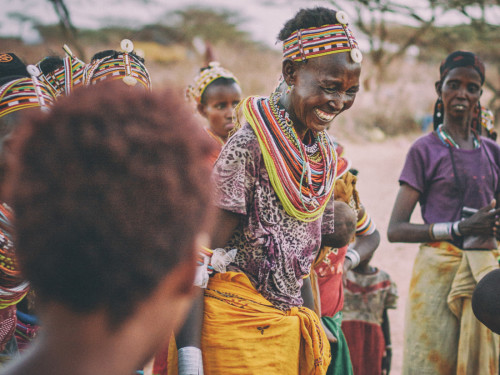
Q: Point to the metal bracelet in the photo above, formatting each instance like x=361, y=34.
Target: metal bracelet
x=353, y=256
x=190, y=361
x=442, y=231
x=456, y=229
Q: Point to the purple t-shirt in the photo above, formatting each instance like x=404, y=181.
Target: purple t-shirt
x=428, y=169
x=275, y=250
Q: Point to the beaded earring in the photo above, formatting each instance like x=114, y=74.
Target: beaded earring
x=289, y=89
x=439, y=108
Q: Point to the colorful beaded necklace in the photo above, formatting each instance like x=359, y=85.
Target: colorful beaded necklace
x=449, y=141
x=303, y=178
x=14, y=288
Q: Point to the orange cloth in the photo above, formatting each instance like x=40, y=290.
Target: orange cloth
x=243, y=333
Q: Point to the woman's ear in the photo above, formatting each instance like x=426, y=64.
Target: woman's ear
x=437, y=85
x=289, y=70
x=201, y=109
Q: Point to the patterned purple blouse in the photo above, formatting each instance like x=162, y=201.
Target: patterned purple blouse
x=275, y=250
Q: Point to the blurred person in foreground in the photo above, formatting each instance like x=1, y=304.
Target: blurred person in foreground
x=274, y=184
x=454, y=174
x=98, y=185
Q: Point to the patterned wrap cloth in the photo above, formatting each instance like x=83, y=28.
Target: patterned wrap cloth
x=244, y=333
x=441, y=287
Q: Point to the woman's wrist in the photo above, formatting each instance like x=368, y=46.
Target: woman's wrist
x=441, y=231
x=456, y=229
x=353, y=256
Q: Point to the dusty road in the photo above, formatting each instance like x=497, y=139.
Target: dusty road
x=379, y=166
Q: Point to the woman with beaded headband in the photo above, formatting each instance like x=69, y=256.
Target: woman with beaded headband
x=20, y=90
x=454, y=174
x=274, y=182
x=216, y=92
x=115, y=65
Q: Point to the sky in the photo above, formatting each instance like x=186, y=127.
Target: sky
x=262, y=18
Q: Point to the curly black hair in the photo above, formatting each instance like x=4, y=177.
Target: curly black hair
x=306, y=18
x=109, y=189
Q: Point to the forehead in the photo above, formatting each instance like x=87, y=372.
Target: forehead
x=464, y=73
x=334, y=67
x=222, y=91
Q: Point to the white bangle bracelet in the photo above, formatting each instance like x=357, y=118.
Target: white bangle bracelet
x=456, y=229
x=190, y=361
x=353, y=256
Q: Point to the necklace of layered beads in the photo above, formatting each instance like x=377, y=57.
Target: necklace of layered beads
x=449, y=141
x=302, y=177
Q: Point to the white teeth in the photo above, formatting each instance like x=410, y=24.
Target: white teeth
x=323, y=115
x=459, y=107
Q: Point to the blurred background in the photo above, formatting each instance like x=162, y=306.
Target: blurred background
x=403, y=42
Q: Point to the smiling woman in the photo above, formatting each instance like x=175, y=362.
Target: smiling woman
x=274, y=185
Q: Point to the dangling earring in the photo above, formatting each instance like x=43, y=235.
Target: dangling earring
x=439, y=108
x=289, y=89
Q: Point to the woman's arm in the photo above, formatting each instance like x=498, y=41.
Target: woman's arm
x=190, y=333
x=366, y=245
x=400, y=229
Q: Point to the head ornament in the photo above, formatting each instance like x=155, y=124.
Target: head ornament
x=64, y=75
x=124, y=65
x=206, y=77
x=313, y=42
x=21, y=93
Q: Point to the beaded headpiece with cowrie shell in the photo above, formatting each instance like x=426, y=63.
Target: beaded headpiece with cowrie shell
x=313, y=42
x=206, y=77
x=64, y=76
x=114, y=65
x=24, y=93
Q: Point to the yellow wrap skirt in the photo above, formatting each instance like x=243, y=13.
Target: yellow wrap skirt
x=442, y=335
x=243, y=333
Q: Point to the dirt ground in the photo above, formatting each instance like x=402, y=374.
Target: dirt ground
x=379, y=166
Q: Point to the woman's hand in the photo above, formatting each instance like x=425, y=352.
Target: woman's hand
x=484, y=222
x=329, y=335
x=347, y=267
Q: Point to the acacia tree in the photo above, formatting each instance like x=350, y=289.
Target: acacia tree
x=392, y=27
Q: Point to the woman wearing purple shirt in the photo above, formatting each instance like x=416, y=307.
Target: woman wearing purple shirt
x=445, y=171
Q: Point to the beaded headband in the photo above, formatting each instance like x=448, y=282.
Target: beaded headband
x=65, y=78
x=118, y=65
x=205, y=78
x=24, y=93
x=313, y=42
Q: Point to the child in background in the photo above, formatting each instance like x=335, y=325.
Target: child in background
x=368, y=293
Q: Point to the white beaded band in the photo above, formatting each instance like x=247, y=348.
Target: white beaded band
x=353, y=256
x=190, y=361
x=442, y=231
x=456, y=229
